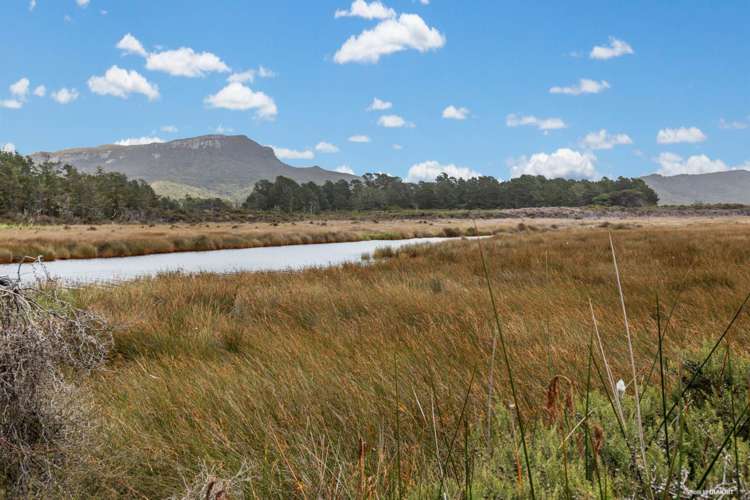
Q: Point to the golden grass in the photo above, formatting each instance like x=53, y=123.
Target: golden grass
x=122, y=240
x=290, y=373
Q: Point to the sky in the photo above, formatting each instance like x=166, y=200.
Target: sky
x=578, y=89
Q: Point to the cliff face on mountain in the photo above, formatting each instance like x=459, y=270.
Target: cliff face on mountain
x=212, y=165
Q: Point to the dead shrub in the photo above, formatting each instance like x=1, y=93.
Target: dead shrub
x=44, y=343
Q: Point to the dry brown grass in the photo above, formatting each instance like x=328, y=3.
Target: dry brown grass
x=292, y=375
x=121, y=240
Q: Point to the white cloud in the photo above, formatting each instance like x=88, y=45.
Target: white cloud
x=185, y=62
x=424, y=2
x=326, y=147
x=238, y=97
x=11, y=104
x=616, y=48
x=32, y=5
x=672, y=164
x=20, y=89
x=221, y=129
x=40, y=91
x=359, y=138
x=564, y=163
x=121, y=83
x=131, y=45
x=544, y=124
x=139, y=141
x=430, y=170
x=264, y=72
x=584, y=86
x=345, y=169
x=64, y=96
x=605, y=140
x=83, y=3
x=169, y=129
x=8, y=148
x=689, y=135
x=454, y=113
x=291, y=154
x=242, y=77
x=733, y=125
x=250, y=74
x=372, y=10
x=409, y=31
x=379, y=105
x=398, y=147
x=394, y=121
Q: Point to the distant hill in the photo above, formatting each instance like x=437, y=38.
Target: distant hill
x=211, y=165
x=721, y=187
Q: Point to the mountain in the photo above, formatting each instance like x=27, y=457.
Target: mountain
x=732, y=186
x=211, y=165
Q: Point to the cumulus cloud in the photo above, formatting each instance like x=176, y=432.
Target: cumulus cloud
x=64, y=96
x=326, y=147
x=409, y=31
x=121, y=83
x=563, y=163
x=250, y=74
x=359, y=138
x=605, y=140
x=291, y=154
x=430, y=170
x=131, y=45
x=372, y=10
x=345, y=169
x=239, y=97
x=139, y=141
x=673, y=164
x=584, y=86
x=32, y=5
x=454, y=113
x=169, y=129
x=394, y=121
x=11, y=104
x=186, y=62
x=40, y=91
x=543, y=124
x=379, y=105
x=83, y=3
x=20, y=89
x=616, y=48
x=8, y=148
x=690, y=135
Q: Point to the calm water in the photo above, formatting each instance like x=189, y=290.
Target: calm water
x=219, y=261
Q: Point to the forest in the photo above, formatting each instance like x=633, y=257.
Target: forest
x=39, y=191
x=381, y=192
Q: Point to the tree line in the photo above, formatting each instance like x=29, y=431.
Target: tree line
x=61, y=192
x=382, y=192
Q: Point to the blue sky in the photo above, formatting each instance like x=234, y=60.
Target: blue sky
x=571, y=89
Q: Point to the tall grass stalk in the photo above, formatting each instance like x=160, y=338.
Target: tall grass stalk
x=661, y=378
x=506, y=358
x=639, y=421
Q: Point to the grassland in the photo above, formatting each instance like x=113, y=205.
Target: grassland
x=121, y=240
x=380, y=380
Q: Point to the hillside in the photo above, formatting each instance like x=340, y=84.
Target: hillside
x=720, y=187
x=212, y=165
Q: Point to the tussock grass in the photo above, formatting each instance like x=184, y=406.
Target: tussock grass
x=374, y=380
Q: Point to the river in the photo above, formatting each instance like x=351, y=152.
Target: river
x=293, y=257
